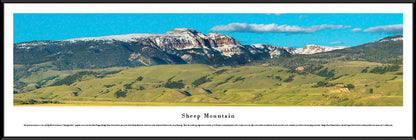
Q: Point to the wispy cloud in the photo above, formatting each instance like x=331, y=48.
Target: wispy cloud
x=336, y=42
x=303, y=16
x=389, y=29
x=357, y=30
x=273, y=28
x=277, y=14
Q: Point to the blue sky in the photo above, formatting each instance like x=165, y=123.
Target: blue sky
x=280, y=29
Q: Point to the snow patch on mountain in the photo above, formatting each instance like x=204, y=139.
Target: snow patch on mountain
x=399, y=38
x=312, y=49
x=29, y=45
x=229, y=50
x=260, y=46
x=125, y=38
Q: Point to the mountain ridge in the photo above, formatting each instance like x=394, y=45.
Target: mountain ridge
x=178, y=46
x=388, y=50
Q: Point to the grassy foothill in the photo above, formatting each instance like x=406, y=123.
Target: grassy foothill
x=344, y=83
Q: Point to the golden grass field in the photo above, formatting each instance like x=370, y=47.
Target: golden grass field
x=236, y=86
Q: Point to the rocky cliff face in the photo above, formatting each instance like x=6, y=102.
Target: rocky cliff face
x=178, y=46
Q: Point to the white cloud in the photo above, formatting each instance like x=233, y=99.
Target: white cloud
x=336, y=42
x=357, y=30
x=273, y=28
x=389, y=29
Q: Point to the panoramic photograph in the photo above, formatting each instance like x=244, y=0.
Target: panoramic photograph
x=208, y=59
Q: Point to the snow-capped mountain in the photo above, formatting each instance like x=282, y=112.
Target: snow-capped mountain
x=178, y=39
x=311, y=49
x=178, y=46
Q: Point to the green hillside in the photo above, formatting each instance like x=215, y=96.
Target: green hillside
x=387, y=52
x=352, y=83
